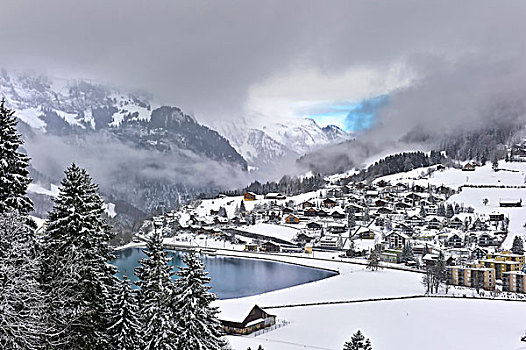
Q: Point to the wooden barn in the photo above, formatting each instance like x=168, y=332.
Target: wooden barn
x=249, y=196
x=235, y=322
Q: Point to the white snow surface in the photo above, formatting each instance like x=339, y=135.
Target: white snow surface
x=431, y=324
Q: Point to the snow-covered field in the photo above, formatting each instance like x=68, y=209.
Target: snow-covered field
x=431, y=324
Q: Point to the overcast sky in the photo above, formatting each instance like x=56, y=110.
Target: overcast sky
x=226, y=59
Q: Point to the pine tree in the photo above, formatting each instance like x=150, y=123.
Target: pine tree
x=449, y=210
x=422, y=211
x=125, y=326
x=242, y=206
x=197, y=319
x=78, y=281
x=13, y=165
x=518, y=246
x=439, y=272
x=358, y=342
x=374, y=261
x=351, y=219
x=441, y=210
x=21, y=308
x=155, y=296
x=407, y=253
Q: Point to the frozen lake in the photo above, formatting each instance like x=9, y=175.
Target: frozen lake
x=233, y=277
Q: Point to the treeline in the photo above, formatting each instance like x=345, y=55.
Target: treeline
x=400, y=162
x=58, y=289
x=482, y=145
x=287, y=185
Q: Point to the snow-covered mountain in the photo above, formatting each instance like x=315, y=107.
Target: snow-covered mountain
x=143, y=155
x=262, y=141
x=61, y=107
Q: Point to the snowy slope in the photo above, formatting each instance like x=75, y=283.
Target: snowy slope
x=430, y=324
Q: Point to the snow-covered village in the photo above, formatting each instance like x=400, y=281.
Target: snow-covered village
x=277, y=175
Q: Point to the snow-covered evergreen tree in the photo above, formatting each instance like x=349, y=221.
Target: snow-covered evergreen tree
x=21, y=325
x=351, y=219
x=423, y=212
x=125, y=328
x=449, y=210
x=13, y=165
x=155, y=297
x=439, y=272
x=518, y=245
x=374, y=261
x=407, y=253
x=198, y=324
x=78, y=281
x=441, y=210
x=358, y=342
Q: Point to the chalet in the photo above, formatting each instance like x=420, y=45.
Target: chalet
x=382, y=183
x=310, y=212
x=444, y=190
x=307, y=204
x=455, y=223
x=431, y=259
x=468, y=167
x=479, y=225
x=239, y=221
x=414, y=220
x=402, y=206
x=506, y=203
x=496, y=216
x=431, y=209
x=275, y=195
x=454, y=241
x=414, y=197
x=405, y=229
x=419, y=189
x=322, y=213
x=355, y=207
x=251, y=247
x=331, y=242
x=287, y=210
x=402, y=186
x=270, y=247
x=396, y=240
x=478, y=253
x=249, y=196
x=303, y=238
x=313, y=225
x=337, y=228
x=384, y=211
x=391, y=256
x=433, y=223
x=219, y=220
x=292, y=219
x=338, y=213
x=367, y=234
x=380, y=203
x=329, y=203
x=486, y=240
x=233, y=323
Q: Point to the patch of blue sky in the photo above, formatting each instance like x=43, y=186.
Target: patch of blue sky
x=350, y=116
